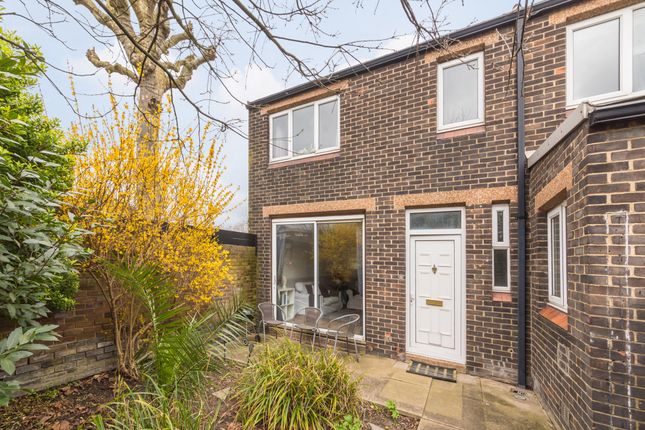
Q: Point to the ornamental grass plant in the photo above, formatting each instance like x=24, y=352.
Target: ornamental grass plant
x=288, y=386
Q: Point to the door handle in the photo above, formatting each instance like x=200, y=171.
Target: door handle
x=434, y=269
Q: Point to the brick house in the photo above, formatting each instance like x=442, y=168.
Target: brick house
x=394, y=190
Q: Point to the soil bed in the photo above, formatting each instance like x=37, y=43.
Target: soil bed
x=66, y=407
x=72, y=406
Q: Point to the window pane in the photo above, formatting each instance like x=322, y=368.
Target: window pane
x=328, y=125
x=303, y=131
x=500, y=226
x=294, y=267
x=340, y=270
x=500, y=264
x=280, y=141
x=555, y=257
x=460, y=93
x=639, y=50
x=435, y=220
x=596, y=59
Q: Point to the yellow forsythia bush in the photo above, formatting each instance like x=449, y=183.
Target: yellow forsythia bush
x=153, y=202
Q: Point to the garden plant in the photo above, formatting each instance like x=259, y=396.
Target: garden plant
x=38, y=249
x=288, y=386
x=158, y=206
x=182, y=349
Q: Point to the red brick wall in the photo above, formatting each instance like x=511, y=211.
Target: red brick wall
x=592, y=374
x=86, y=346
x=389, y=147
x=563, y=389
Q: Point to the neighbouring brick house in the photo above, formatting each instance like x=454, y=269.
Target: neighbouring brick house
x=393, y=191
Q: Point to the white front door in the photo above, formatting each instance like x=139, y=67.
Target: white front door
x=435, y=297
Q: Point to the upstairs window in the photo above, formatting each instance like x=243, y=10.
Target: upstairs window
x=557, y=256
x=606, y=56
x=460, y=93
x=501, y=252
x=305, y=130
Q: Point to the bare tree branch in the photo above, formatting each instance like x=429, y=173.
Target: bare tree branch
x=109, y=67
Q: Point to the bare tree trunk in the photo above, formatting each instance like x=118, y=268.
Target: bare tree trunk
x=151, y=91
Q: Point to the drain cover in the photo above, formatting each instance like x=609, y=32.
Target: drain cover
x=436, y=372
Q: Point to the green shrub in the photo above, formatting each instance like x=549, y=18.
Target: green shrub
x=154, y=409
x=181, y=348
x=394, y=411
x=350, y=422
x=289, y=387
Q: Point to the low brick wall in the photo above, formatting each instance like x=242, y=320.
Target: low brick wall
x=242, y=271
x=86, y=346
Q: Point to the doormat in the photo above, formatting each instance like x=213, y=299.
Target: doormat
x=436, y=372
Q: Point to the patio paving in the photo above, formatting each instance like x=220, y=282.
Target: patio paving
x=470, y=403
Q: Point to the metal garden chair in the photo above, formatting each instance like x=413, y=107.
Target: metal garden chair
x=272, y=315
x=306, y=321
x=342, y=327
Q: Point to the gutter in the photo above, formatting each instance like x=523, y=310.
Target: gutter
x=521, y=208
x=617, y=112
x=411, y=52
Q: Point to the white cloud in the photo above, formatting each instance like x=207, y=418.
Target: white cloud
x=400, y=42
x=245, y=85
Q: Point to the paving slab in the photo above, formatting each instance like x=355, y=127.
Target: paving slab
x=426, y=424
x=370, y=388
x=372, y=366
x=409, y=398
x=402, y=375
x=444, y=403
x=502, y=407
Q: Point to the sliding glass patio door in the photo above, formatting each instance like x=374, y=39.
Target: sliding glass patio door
x=318, y=262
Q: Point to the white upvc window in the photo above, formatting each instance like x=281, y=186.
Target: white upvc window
x=501, y=244
x=460, y=93
x=557, y=256
x=305, y=130
x=606, y=57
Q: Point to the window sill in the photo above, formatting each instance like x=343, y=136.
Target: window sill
x=502, y=296
x=449, y=134
x=556, y=316
x=306, y=159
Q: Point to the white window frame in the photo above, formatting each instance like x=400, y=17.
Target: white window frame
x=314, y=220
x=626, y=41
x=558, y=302
x=289, y=112
x=504, y=244
x=479, y=56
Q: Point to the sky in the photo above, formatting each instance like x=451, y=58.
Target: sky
x=346, y=20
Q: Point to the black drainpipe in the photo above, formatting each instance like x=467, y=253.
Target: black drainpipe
x=521, y=208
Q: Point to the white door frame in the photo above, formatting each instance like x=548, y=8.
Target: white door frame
x=460, y=294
